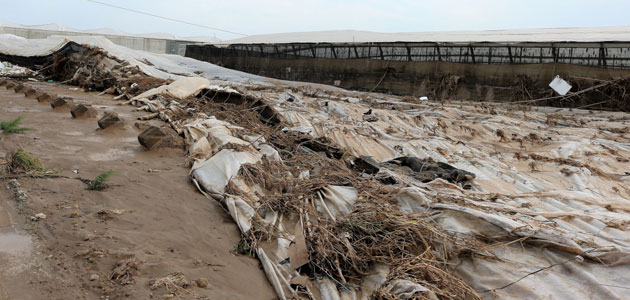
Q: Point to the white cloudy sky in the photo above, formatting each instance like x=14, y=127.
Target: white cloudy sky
x=273, y=16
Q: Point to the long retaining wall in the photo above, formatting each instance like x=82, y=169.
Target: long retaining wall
x=486, y=71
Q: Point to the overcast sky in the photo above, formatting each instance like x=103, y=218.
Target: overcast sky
x=274, y=16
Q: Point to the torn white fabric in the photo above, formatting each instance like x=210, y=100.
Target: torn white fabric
x=215, y=173
x=181, y=88
x=336, y=201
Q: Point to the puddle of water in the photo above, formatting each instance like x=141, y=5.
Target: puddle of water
x=93, y=139
x=73, y=133
x=111, y=154
x=25, y=109
x=131, y=139
x=14, y=244
x=71, y=149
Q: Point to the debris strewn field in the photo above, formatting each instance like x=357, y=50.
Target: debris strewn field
x=338, y=194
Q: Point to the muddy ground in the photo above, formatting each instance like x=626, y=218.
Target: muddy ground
x=151, y=214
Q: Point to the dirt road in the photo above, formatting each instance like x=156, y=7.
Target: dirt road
x=150, y=215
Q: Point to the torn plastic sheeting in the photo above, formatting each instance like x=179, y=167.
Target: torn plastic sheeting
x=181, y=88
x=336, y=109
x=240, y=211
x=376, y=277
x=405, y=289
x=556, y=237
x=9, y=69
x=269, y=152
x=336, y=201
x=412, y=199
x=206, y=136
x=215, y=173
x=589, y=280
x=272, y=273
x=299, y=129
x=224, y=89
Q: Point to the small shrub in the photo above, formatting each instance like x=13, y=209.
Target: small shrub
x=23, y=162
x=100, y=182
x=9, y=127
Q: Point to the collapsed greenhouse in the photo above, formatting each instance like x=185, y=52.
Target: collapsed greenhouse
x=362, y=195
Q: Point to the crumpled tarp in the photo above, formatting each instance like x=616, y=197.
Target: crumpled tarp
x=212, y=176
x=180, y=89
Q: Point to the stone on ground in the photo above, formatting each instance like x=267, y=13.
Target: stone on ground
x=155, y=137
x=108, y=119
x=30, y=93
x=19, y=88
x=60, y=102
x=44, y=97
x=82, y=110
x=202, y=282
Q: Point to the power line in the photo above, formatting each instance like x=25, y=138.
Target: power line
x=166, y=18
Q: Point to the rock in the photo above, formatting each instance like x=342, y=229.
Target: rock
x=44, y=97
x=19, y=88
x=151, y=136
x=108, y=119
x=142, y=125
x=10, y=85
x=30, y=93
x=3, y=82
x=202, y=282
x=60, y=102
x=94, y=277
x=37, y=217
x=366, y=164
x=370, y=118
x=155, y=137
x=82, y=110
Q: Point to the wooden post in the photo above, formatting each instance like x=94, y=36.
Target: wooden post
x=437, y=48
x=489, y=55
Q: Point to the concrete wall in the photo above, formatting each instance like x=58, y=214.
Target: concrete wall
x=160, y=46
x=436, y=79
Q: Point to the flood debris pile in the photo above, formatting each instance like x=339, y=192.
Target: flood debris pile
x=586, y=93
x=8, y=69
x=94, y=69
x=427, y=200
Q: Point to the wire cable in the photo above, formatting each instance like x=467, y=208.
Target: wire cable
x=165, y=18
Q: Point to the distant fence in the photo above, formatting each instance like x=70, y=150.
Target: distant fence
x=615, y=55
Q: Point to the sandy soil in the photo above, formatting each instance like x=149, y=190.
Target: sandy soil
x=152, y=211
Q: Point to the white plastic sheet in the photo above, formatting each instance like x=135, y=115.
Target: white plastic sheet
x=560, y=85
x=181, y=88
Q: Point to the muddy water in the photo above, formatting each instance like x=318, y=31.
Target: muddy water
x=15, y=244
